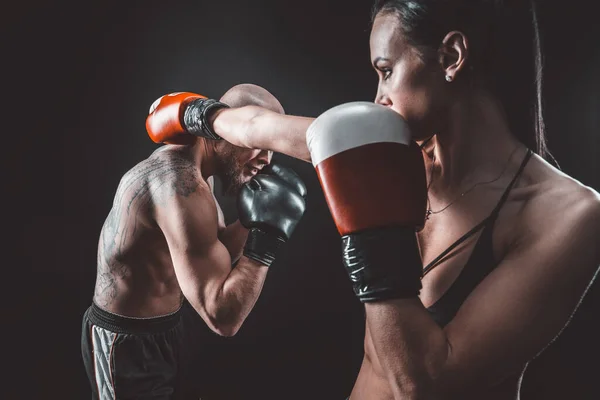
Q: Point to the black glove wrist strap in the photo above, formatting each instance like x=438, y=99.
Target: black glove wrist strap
x=196, y=117
x=262, y=246
x=383, y=263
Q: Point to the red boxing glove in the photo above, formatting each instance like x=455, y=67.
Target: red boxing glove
x=177, y=118
x=374, y=181
x=371, y=171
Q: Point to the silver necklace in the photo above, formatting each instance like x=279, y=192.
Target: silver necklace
x=430, y=212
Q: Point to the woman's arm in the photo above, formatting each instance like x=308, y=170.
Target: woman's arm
x=508, y=319
x=255, y=127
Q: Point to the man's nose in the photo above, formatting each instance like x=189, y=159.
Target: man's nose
x=265, y=156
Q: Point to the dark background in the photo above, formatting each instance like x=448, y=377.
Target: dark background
x=78, y=79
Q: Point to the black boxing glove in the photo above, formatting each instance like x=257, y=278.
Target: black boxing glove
x=288, y=175
x=270, y=205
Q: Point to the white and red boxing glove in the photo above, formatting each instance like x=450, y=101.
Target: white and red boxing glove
x=373, y=177
x=176, y=118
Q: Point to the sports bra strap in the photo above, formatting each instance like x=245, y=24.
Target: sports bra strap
x=492, y=217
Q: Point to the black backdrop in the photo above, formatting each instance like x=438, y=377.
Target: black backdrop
x=78, y=79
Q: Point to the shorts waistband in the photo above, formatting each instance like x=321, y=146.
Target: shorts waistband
x=122, y=324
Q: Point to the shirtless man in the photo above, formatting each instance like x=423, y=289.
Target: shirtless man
x=165, y=239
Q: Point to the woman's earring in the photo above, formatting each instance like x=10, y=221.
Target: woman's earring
x=448, y=78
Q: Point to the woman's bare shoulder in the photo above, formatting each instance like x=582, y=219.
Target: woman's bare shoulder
x=557, y=200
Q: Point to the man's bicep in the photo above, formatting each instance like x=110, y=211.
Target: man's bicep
x=201, y=261
x=519, y=308
x=189, y=222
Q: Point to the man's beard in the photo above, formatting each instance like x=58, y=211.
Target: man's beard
x=231, y=174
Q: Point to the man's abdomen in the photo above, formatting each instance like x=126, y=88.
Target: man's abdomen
x=135, y=274
x=140, y=299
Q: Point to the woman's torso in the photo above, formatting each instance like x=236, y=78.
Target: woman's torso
x=497, y=209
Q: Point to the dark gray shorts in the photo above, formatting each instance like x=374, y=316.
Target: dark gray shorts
x=131, y=357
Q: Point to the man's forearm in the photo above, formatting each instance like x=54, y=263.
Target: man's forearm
x=255, y=127
x=238, y=295
x=410, y=346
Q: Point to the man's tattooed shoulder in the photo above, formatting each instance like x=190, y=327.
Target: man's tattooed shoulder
x=172, y=174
